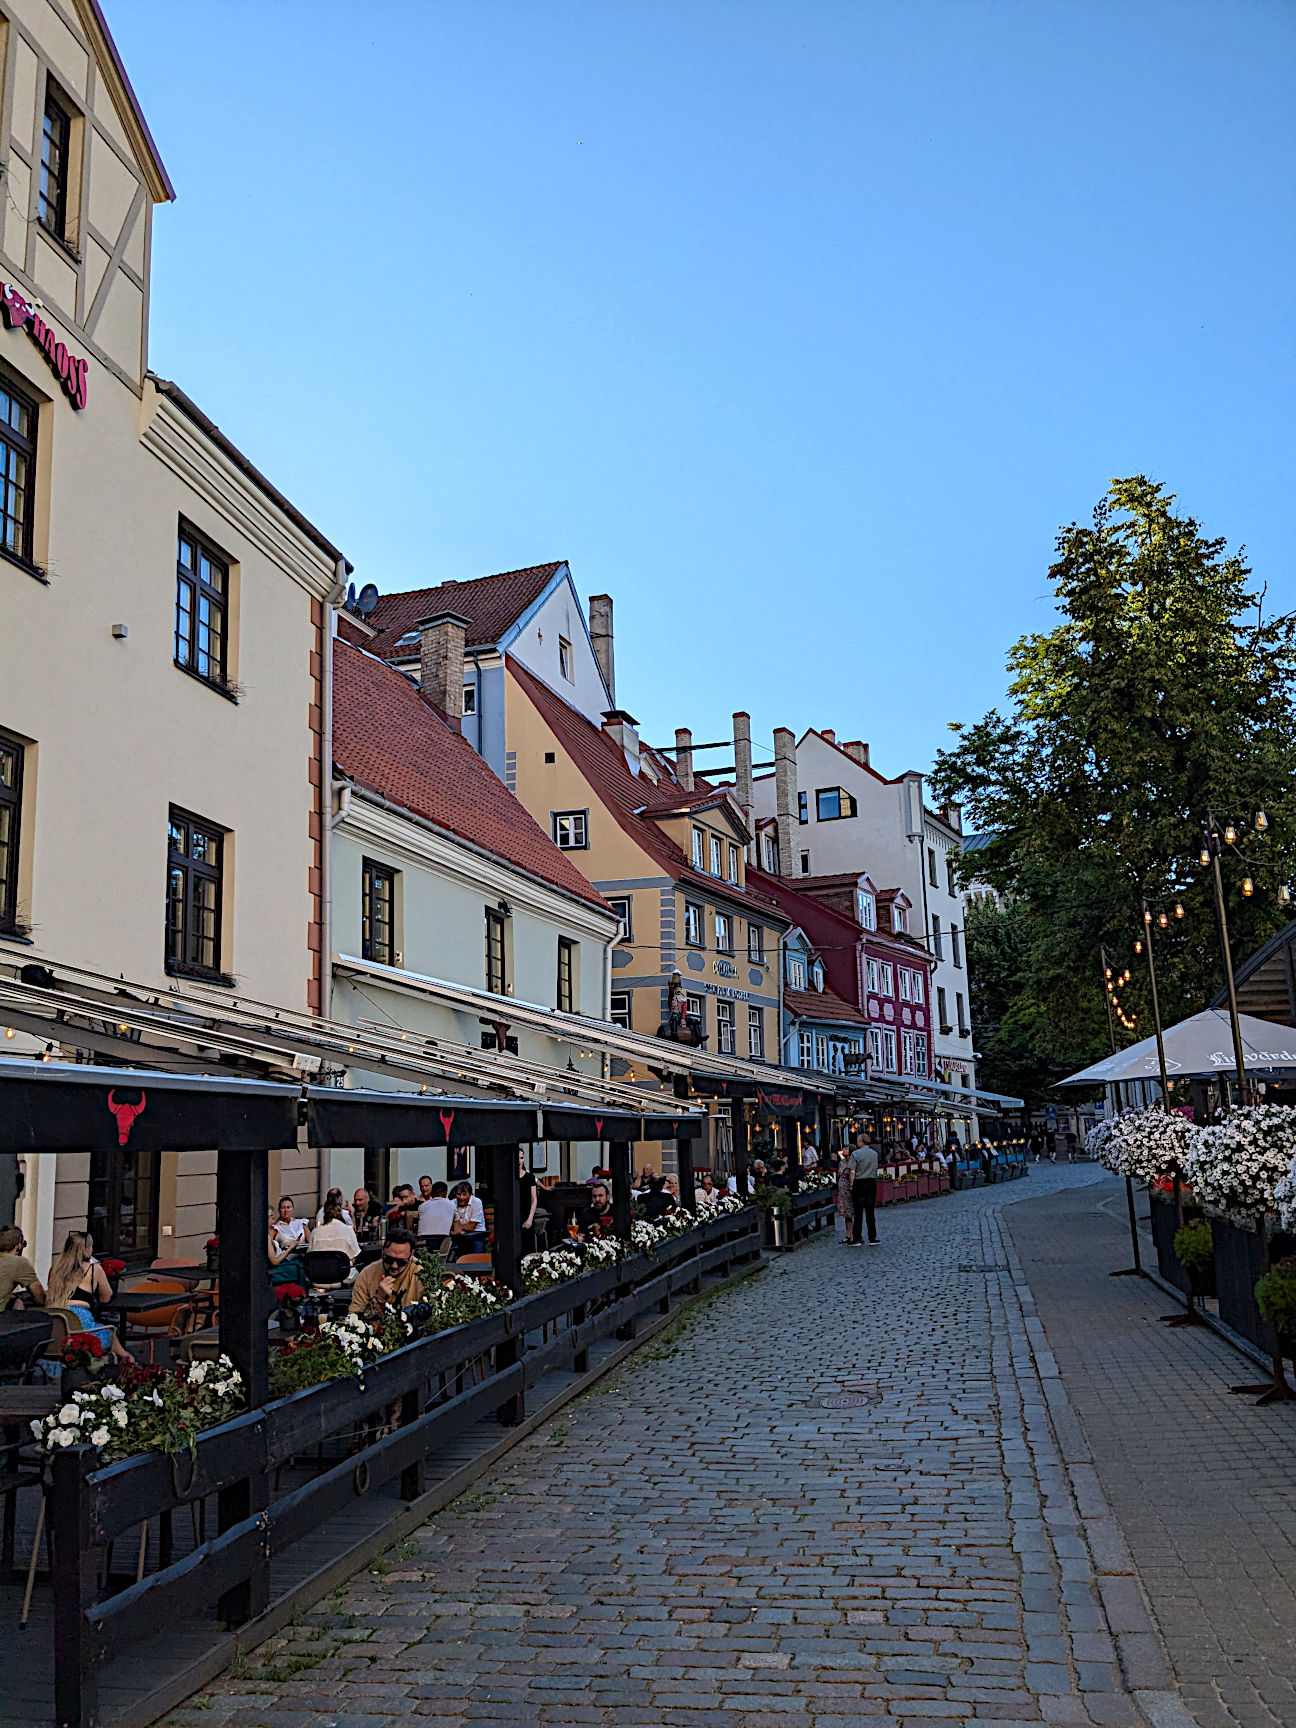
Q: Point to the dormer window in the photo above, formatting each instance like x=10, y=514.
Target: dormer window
x=699, y=849
x=899, y=918
x=796, y=972
x=866, y=906
x=733, y=863
x=817, y=975
x=565, y=663
x=832, y=803
x=716, y=853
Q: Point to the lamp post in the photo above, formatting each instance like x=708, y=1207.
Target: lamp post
x=1136, y=1270
x=1212, y=841
x=1156, y=1005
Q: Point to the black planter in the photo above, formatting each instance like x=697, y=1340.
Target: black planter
x=213, y=1259
x=289, y=1320
x=1165, y=1224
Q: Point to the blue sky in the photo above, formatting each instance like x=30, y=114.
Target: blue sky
x=799, y=328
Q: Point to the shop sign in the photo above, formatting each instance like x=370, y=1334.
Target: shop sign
x=72, y=373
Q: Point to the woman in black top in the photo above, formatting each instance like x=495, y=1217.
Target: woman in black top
x=528, y=1201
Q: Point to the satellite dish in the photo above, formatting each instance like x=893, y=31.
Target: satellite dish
x=368, y=599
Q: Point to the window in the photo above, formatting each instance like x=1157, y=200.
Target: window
x=906, y=995
x=756, y=1034
x=620, y=904
x=956, y=954
x=962, y=1012
x=470, y=698
x=202, y=585
x=17, y=470
x=725, y=1028
x=693, y=925
x=193, y=913
x=875, y=1046
x=771, y=855
x=919, y=988
x=888, y=978
x=55, y=141
x=920, y=1052
x=942, y=1009
x=871, y=967
x=907, y=1052
x=950, y=883
x=803, y=808
x=619, y=1008
x=696, y=1008
x=832, y=803
x=11, y=775
x=716, y=852
x=805, y=1043
x=821, y=1052
x=899, y=917
x=565, y=663
x=805, y=863
x=756, y=944
x=571, y=829
x=377, y=917
x=867, y=910
x=733, y=863
x=888, y=1050
x=817, y=975
x=931, y=866
x=566, y=999
x=699, y=850
x=796, y=972
x=938, y=947
x=724, y=933
x=496, y=981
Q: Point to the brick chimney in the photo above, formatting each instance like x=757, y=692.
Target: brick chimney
x=743, y=779
x=441, y=663
x=828, y=733
x=858, y=750
x=785, y=797
x=600, y=623
x=684, y=757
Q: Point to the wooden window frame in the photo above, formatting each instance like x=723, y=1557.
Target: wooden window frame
x=755, y=1033
x=735, y=865
x=725, y=921
x=694, y=916
x=846, y=805
x=195, y=590
x=496, y=934
x=615, y=901
x=717, y=855
x=21, y=448
x=194, y=870
x=58, y=227
x=566, y=661
x=372, y=873
x=566, y=981
x=755, y=944
x=699, y=849
x=615, y=999
x=956, y=953
x=797, y=966
x=805, y=1049
x=572, y=816
x=726, y=1021
x=11, y=798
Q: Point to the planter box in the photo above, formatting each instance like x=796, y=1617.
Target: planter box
x=1164, y=1226
x=1239, y=1262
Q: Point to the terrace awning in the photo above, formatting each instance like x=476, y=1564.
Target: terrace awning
x=1195, y=1049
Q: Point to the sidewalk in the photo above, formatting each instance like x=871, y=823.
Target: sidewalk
x=1203, y=1485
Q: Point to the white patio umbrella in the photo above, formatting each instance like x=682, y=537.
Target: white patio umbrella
x=1195, y=1048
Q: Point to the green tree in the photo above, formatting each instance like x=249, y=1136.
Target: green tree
x=1163, y=693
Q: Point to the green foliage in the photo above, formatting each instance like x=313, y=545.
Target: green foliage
x=1276, y=1296
x=1163, y=693
x=771, y=1196
x=1194, y=1246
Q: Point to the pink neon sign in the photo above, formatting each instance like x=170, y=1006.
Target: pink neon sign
x=20, y=314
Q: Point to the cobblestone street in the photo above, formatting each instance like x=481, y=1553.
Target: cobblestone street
x=831, y=1496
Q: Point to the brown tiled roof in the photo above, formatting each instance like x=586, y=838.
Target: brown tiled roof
x=823, y=1004
x=489, y=603
x=388, y=739
x=633, y=800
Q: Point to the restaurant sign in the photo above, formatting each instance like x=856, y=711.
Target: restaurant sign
x=72, y=373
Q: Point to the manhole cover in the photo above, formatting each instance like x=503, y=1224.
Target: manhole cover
x=850, y=1400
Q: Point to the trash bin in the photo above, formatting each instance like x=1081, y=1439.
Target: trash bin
x=777, y=1227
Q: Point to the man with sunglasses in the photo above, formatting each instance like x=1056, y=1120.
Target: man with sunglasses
x=392, y=1282
x=16, y=1271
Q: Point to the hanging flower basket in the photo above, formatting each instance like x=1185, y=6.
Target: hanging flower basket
x=1143, y=1144
x=1238, y=1165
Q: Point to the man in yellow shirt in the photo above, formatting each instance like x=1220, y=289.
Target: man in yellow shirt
x=392, y=1282
x=16, y=1271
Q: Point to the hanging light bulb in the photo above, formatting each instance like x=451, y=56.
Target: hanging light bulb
x=1248, y=887
x=1108, y=971
x=1147, y=916
x=1230, y=834
x=1138, y=947
x=1284, y=895
x=1261, y=822
x=1163, y=920
x=1179, y=911
x=1205, y=854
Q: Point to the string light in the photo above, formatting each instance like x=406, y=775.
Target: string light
x=1163, y=921
x=1205, y=855
x=1248, y=887
x=1179, y=911
x=1284, y=899
x=1230, y=835
x=1261, y=822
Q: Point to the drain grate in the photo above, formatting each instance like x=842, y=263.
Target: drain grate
x=850, y=1400
x=971, y=1268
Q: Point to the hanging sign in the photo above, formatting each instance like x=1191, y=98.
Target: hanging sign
x=72, y=373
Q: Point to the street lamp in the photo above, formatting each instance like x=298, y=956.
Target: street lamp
x=1136, y=1270
x=1212, y=843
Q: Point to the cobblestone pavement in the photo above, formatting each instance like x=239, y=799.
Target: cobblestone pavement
x=832, y=1498
x=1202, y=1484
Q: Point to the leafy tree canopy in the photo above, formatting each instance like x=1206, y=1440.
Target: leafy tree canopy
x=1163, y=693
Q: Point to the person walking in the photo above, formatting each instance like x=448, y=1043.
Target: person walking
x=844, y=1211
x=863, y=1169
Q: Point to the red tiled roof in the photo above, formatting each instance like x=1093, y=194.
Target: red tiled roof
x=489, y=603
x=823, y=1004
x=633, y=800
x=388, y=739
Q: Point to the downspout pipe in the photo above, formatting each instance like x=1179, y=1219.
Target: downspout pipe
x=336, y=595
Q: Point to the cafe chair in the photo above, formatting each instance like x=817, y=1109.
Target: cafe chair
x=328, y=1271
x=148, y=1325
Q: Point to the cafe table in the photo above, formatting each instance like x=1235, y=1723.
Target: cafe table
x=20, y=1406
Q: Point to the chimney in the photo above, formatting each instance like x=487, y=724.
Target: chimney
x=623, y=729
x=954, y=816
x=600, y=623
x=684, y=757
x=743, y=779
x=858, y=750
x=828, y=733
x=785, y=796
x=441, y=663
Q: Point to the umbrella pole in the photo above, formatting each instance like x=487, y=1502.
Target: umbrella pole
x=1275, y=1391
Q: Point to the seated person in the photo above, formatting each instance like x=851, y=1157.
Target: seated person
x=364, y=1215
x=778, y=1175
x=344, y=1211
x=79, y=1283
x=658, y=1202
x=291, y=1233
x=18, y=1280
x=435, y=1216
x=809, y=1158
x=468, y=1226
x=287, y=1263
x=706, y=1194
x=392, y=1282
x=596, y=1218
x=334, y=1233
x=402, y=1209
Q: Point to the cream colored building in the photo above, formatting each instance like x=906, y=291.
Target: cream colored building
x=163, y=610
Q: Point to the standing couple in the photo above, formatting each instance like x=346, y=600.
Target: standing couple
x=859, y=1173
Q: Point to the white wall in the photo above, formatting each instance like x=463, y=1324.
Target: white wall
x=535, y=644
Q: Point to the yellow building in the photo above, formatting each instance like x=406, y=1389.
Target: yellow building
x=163, y=689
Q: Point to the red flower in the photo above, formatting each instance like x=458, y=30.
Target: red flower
x=213, y=1241
x=79, y=1349
x=290, y=1293
x=114, y=1268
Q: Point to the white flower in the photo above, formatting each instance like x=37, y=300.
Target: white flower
x=198, y=1372
x=61, y=1437
x=1145, y=1144
x=113, y=1392
x=69, y=1414
x=120, y=1415
x=99, y=1437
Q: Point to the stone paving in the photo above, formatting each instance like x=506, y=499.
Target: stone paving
x=1202, y=1484
x=833, y=1497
